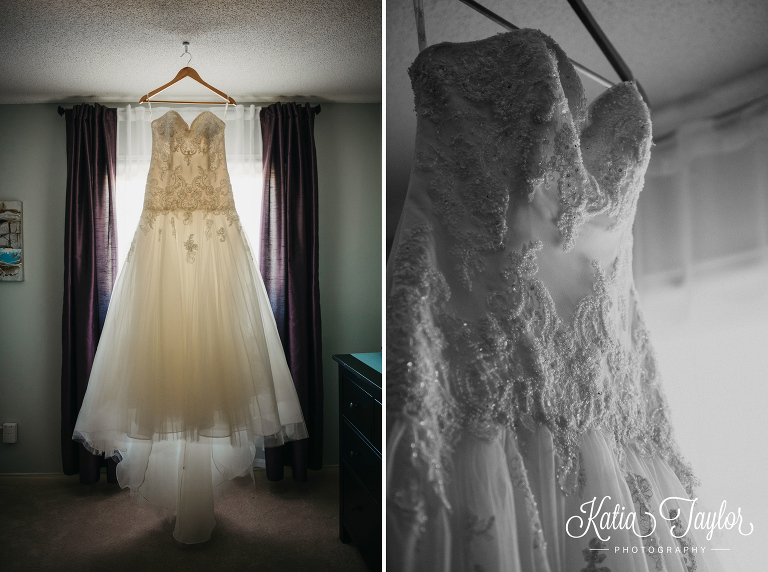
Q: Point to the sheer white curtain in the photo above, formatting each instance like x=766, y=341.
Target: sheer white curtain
x=701, y=266
x=134, y=150
x=705, y=203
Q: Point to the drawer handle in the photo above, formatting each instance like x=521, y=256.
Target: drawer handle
x=352, y=405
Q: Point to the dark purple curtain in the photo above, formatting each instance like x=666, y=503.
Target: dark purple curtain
x=289, y=266
x=90, y=268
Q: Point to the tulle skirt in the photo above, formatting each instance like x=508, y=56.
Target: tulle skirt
x=189, y=380
x=508, y=513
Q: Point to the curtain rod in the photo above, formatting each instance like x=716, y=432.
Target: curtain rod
x=592, y=27
x=316, y=109
x=762, y=99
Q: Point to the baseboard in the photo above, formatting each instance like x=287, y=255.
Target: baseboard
x=29, y=474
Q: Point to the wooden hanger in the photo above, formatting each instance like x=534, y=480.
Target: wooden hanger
x=188, y=72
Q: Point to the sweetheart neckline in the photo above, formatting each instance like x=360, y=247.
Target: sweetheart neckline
x=513, y=33
x=189, y=126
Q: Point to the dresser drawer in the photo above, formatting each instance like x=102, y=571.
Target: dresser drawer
x=360, y=446
x=362, y=460
x=362, y=517
x=376, y=439
x=357, y=406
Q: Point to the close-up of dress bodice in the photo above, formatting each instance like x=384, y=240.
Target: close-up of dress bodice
x=507, y=152
x=511, y=302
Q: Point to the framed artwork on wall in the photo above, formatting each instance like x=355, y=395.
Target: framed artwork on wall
x=11, y=260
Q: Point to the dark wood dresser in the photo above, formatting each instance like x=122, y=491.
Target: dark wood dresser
x=360, y=454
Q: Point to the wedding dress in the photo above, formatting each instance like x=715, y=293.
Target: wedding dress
x=189, y=378
x=521, y=382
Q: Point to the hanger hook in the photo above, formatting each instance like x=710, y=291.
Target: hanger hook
x=186, y=52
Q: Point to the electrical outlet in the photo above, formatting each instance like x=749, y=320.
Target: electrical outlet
x=10, y=432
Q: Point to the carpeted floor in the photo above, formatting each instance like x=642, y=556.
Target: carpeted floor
x=53, y=522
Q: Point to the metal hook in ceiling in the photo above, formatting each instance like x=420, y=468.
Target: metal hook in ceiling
x=186, y=52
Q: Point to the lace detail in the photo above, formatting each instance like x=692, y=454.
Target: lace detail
x=579, y=195
x=616, y=146
x=187, y=170
x=191, y=248
x=641, y=492
x=510, y=168
x=594, y=555
x=519, y=479
x=522, y=365
x=222, y=234
x=687, y=557
x=478, y=529
x=471, y=172
x=423, y=400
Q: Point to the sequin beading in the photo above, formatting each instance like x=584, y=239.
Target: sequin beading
x=188, y=170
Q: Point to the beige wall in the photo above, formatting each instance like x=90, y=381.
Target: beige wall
x=33, y=170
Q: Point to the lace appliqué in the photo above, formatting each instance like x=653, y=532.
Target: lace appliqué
x=222, y=234
x=521, y=365
x=130, y=251
x=641, y=491
x=191, y=248
x=473, y=182
x=687, y=556
x=616, y=144
x=415, y=359
x=478, y=529
x=572, y=393
x=594, y=555
x=579, y=195
x=175, y=191
x=520, y=482
x=208, y=227
x=183, y=198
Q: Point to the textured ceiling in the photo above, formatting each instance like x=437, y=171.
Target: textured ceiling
x=711, y=53
x=76, y=50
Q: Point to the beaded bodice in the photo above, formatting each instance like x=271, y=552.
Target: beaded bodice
x=511, y=302
x=188, y=169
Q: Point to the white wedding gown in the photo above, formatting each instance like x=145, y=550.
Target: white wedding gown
x=521, y=382
x=189, y=377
